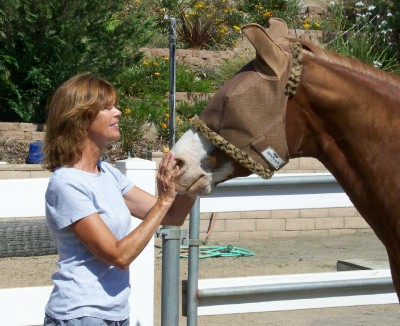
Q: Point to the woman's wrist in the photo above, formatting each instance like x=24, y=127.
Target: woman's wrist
x=166, y=200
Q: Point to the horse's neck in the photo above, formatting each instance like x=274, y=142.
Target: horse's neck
x=348, y=123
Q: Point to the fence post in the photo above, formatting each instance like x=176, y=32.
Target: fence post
x=193, y=265
x=142, y=173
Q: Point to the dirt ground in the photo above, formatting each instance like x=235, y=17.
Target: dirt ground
x=271, y=257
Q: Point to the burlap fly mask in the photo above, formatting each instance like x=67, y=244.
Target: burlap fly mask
x=249, y=110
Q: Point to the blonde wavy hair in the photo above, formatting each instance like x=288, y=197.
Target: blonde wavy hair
x=72, y=108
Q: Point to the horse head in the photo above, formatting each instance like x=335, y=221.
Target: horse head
x=242, y=129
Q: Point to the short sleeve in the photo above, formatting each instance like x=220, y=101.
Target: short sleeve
x=68, y=201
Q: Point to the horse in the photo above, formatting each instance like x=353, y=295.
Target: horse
x=294, y=100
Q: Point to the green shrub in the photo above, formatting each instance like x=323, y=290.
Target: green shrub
x=365, y=31
x=203, y=24
x=43, y=43
x=259, y=11
x=151, y=76
x=136, y=113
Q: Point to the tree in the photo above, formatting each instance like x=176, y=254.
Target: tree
x=43, y=43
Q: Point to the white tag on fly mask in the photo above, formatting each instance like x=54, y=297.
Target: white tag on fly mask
x=272, y=157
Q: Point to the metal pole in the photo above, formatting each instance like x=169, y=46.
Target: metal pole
x=267, y=289
x=193, y=267
x=172, y=81
x=170, y=276
x=171, y=234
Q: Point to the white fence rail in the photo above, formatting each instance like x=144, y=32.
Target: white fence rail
x=283, y=292
x=25, y=198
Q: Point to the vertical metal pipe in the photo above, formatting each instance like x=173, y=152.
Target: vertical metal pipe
x=171, y=234
x=170, y=276
x=172, y=81
x=193, y=267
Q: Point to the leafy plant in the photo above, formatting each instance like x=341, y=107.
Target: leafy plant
x=151, y=76
x=228, y=68
x=43, y=43
x=137, y=114
x=204, y=24
x=259, y=11
x=185, y=111
x=360, y=30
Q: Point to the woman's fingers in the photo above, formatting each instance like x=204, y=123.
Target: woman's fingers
x=167, y=171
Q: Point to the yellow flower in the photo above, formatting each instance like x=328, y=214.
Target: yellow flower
x=166, y=115
x=155, y=63
x=199, y=5
x=306, y=26
x=163, y=125
x=236, y=27
x=317, y=25
x=166, y=58
x=127, y=111
x=156, y=74
x=267, y=13
x=165, y=149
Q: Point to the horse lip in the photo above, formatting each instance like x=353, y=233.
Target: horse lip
x=202, y=176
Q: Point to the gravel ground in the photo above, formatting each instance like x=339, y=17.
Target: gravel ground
x=271, y=257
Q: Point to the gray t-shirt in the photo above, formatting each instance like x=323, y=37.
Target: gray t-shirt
x=85, y=285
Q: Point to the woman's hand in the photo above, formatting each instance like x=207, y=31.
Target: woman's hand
x=167, y=171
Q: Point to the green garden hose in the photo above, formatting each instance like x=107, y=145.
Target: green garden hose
x=217, y=251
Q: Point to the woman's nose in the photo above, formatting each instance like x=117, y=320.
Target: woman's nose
x=117, y=111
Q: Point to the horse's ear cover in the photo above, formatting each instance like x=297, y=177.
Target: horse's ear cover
x=278, y=31
x=268, y=52
x=249, y=109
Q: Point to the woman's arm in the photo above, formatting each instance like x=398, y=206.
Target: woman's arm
x=99, y=240
x=140, y=202
x=97, y=237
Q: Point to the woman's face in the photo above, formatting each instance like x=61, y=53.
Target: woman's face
x=104, y=128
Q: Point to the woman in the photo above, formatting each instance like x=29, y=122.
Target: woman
x=89, y=206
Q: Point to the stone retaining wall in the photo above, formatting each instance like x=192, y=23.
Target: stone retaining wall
x=24, y=132
x=214, y=58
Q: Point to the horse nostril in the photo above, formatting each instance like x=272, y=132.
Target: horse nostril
x=180, y=163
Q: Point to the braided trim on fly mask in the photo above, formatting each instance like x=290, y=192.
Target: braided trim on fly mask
x=237, y=154
x=295, y=69
x=231, y=150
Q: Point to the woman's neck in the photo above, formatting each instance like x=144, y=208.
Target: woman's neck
x=89, y=160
